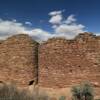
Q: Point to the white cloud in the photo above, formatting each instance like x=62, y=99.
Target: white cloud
x=56, y=19
x=28, y=23
x=39, y=34
x=70, y=19
x=62, y=28
x=54, y=26
x=69, y=31
x=66, y=28
x=53, y=13
x=9, y=28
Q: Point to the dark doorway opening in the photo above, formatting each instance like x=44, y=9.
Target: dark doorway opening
x=31, y=82
x=1, y=82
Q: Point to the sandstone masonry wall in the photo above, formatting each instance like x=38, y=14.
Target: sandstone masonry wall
x=18, y=60
x=63, y=63
x=56, y=63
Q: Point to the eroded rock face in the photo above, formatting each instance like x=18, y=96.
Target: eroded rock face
x=63, y=63
x=18, y=60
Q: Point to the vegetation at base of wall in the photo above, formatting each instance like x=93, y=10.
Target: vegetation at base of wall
x=10, y=92
x=62, y=98
x=83, y=92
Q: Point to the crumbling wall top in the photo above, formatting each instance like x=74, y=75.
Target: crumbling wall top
x=86, y=36
x=15, y=39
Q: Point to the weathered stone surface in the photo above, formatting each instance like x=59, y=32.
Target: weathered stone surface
x=56, y=63
x=18, y=60
x=63, y=63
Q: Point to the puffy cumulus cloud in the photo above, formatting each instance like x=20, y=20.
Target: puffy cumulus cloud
x=39, y=34
x=9, y=28
x=70, y=19
x=66, y=28
x=56, y=19
x=69, y=31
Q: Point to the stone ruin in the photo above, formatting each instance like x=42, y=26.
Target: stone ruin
x=56, y=63
x=18, y=60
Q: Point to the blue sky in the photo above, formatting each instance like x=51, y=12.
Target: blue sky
x=68, y=18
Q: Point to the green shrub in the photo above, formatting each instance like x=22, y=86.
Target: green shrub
x=77, y=93
x=87, y=91
x=62, y=98
x=82, y=92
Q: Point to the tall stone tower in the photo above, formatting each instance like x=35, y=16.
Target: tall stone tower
x=18, y=60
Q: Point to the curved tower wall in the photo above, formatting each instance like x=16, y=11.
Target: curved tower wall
x=18, y=60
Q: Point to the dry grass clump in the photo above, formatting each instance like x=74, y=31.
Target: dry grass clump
x=11, y=92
